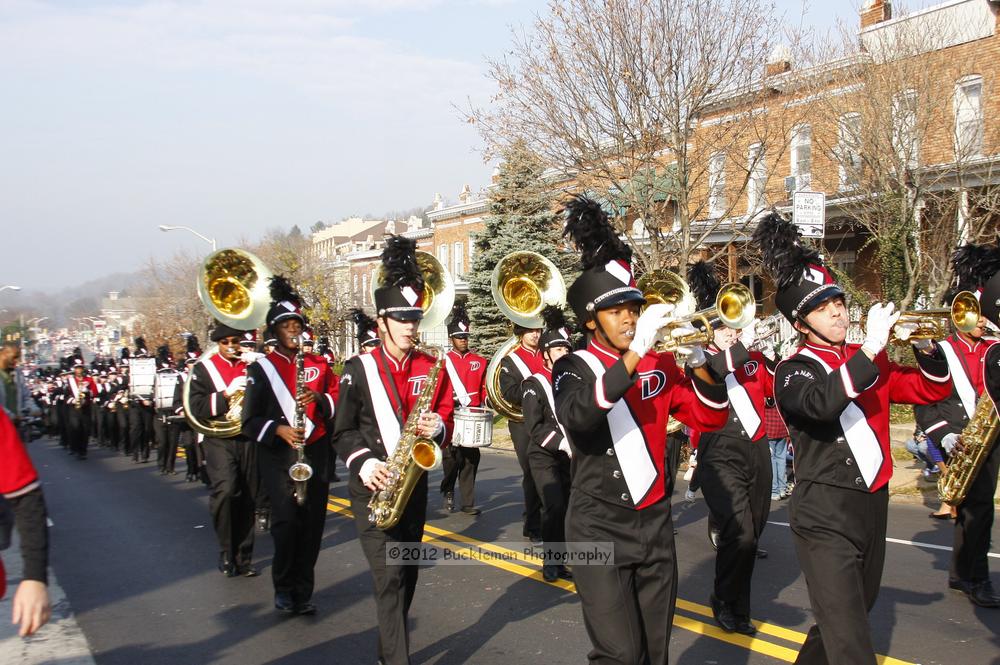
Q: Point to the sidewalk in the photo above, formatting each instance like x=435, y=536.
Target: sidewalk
x=59, y=642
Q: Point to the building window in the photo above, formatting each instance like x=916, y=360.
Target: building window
x=717, y=185
x=443, y=255
x=355, y=287
x=969, y=117
x=849, y=150
x=802, y=156
x=904, y=128
x=364, y=289
x=757, y=179
x=458, y=250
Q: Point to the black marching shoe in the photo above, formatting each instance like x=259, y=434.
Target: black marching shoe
x=247, y=570
x=226, y=565
x=471, y=510
x=283, y=602
x=724, y=615
x=449, y=502
x=305, y=608
x=713, y=535
x=745, y=627
x=550, y=572
x=979, y=593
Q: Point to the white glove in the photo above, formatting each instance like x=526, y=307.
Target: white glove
x=949, y=442
x=693, y=355
x=768, y=352
x=647, y=328
x=749, y=334
x=881, y=319
x=239, y=383
x=367, y=469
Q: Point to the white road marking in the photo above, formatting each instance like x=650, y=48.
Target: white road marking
x=915, y=543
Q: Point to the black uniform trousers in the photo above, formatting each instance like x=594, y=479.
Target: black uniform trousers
x=78, y=429
x=232, y=474
x=394, y=583
x=974, y=524
x=839, y=537
x=140, y=425
x=63, y=426
x=186, y=440
x=121, y=430
x=550, y=471
x=532, y=503
x=735, y=477
x=165, y=434
x=628, y=607
x=460, y=464
x=297, y=530
x=105, y=425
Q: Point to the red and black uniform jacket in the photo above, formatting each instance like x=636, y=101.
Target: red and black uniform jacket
x=369, y=417
x=19, y=486
x=209, y=379
x=467, y=373
x=538, y=407
x=835, y=402
x=749, y=380
x=949, y=416
x=515, y=367
x=270, y=397
x=74, y=386
x=617, y=422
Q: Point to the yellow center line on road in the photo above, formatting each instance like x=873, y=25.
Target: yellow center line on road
x=461, y=542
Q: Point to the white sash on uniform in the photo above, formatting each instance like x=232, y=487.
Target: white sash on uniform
x=960, y=378
x=283, y=395
x=385, y=415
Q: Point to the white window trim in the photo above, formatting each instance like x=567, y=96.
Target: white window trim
x=961, y=86
x=757, y=180
x=458, y=257
x=803, y=179
x=846, y=151
x=717, y=185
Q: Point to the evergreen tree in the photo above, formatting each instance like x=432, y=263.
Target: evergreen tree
x=523, y=215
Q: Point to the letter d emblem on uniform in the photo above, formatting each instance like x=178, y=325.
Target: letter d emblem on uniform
x=652, y=383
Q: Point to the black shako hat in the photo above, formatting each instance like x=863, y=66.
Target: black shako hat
x=802, y=280
x=977, y=269
x=401, y=295
x=285, y=302
x=607, y=278
x=458, y=325
x=556, y=331
x=222, y=331
x=366, y=333
x=705, y=285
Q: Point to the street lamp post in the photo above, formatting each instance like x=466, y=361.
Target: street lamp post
x=210, y=241
x=10, y=286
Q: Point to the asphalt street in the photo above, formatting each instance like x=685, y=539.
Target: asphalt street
x=135, y=555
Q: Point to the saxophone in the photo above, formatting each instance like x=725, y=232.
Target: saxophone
x=300, y=472
x=977, y=441
x=80, y=394
x=412, y=457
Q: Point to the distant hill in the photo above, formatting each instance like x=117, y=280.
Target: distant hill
x=59, y=306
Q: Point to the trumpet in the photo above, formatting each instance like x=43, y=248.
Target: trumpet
x=932, y=324
x=735, y=308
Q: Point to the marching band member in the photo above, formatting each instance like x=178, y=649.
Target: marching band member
x=164, y=431
x=975, y=367
x=366, y=330
x=377, y=392
x=548, y=454
x=734, y=463
x=613, y=399
x=515, y=367
x=248, y=347
x=140, y=413
x=834, y=398
x=80, y=393
x=273, y=397
x=467, y=373
x=229, y=462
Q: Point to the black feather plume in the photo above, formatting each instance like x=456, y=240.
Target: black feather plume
x=361, y=320
x=591, y=231
x=400, y=260
x=193, y=346
x=126, y=354
x=974, y=265
x=163, y=354
x=459, y=314
x=281, y=290
x=140, y=344
x=554, y=317
x=703, y=282
x=784, y=254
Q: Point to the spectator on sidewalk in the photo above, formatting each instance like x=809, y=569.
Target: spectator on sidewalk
x=777, y=440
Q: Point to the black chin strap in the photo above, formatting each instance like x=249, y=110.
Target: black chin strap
x=816, y=332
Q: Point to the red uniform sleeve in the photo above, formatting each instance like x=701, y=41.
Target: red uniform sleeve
x=699, y=405
x=927, y=383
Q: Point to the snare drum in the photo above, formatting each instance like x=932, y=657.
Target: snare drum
x=473, y=427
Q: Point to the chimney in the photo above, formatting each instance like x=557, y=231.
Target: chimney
x=779, y=61
x=465, y=194
x=875, y=11
x=438, y=202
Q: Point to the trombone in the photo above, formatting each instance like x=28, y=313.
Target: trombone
x=734, y=307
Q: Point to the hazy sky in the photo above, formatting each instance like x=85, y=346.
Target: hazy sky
x=235, y=116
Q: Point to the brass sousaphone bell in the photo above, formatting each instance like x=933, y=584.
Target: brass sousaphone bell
x=523, y=284
x=234, y=286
